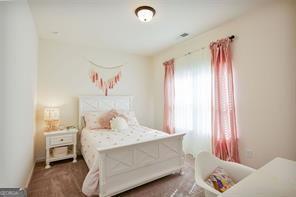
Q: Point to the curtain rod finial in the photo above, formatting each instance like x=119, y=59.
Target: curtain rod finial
x=231, y=37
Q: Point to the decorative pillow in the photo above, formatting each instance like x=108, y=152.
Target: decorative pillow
x=104, y=120
x=220, y=180
x=118, y=123
x=91, y=120
x=130, y=116
x=99, y=120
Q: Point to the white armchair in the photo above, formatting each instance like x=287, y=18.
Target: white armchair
x=206, y=163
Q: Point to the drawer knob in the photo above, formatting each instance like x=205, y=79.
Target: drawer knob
x=62, y=139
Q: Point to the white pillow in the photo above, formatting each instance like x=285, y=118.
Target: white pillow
x=118, y=123
x=130, y=115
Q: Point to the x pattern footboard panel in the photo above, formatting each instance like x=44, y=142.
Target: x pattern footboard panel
x=127, y=159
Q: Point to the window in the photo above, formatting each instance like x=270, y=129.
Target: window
x=193, y=101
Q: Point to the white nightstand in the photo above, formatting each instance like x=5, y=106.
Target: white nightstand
x=62, y=138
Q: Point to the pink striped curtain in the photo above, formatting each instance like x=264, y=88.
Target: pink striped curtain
x=169, y=97
x=224, y=129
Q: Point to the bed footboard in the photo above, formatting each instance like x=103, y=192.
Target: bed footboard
x=125, y=167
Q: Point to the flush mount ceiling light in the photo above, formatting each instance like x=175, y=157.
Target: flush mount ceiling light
x=145, y=13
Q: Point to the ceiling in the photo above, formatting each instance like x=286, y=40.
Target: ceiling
x=113, y=24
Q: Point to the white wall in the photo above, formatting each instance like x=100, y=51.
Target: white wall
x=19, y=45
x=63, y=77
x=264, y=61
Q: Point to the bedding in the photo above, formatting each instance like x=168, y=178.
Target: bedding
x=93, y=140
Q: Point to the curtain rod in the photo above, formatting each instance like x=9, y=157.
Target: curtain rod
x=202, y=48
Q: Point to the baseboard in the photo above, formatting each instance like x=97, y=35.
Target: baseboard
x=30, y=176
x=39, y=159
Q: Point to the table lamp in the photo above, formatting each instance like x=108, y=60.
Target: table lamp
x=52, y=118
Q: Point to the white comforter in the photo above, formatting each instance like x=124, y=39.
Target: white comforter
x=92, y=140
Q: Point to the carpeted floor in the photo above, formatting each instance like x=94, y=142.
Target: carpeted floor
x=64, y=179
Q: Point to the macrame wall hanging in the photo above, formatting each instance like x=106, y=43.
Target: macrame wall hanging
x=96, y=76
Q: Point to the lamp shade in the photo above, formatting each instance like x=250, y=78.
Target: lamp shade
x=51, y=113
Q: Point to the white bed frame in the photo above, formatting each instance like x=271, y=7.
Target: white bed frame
x=125, y=167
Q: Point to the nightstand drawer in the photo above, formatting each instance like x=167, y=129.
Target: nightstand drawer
x=59, y=140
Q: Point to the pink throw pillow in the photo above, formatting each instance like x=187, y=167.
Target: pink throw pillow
x=105, y=119
x=91, y=120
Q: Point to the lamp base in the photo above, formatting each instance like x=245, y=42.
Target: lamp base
x=52, y=125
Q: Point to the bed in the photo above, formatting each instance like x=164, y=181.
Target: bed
x=119, y=161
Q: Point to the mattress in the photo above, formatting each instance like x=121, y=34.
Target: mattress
x=93, y=140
